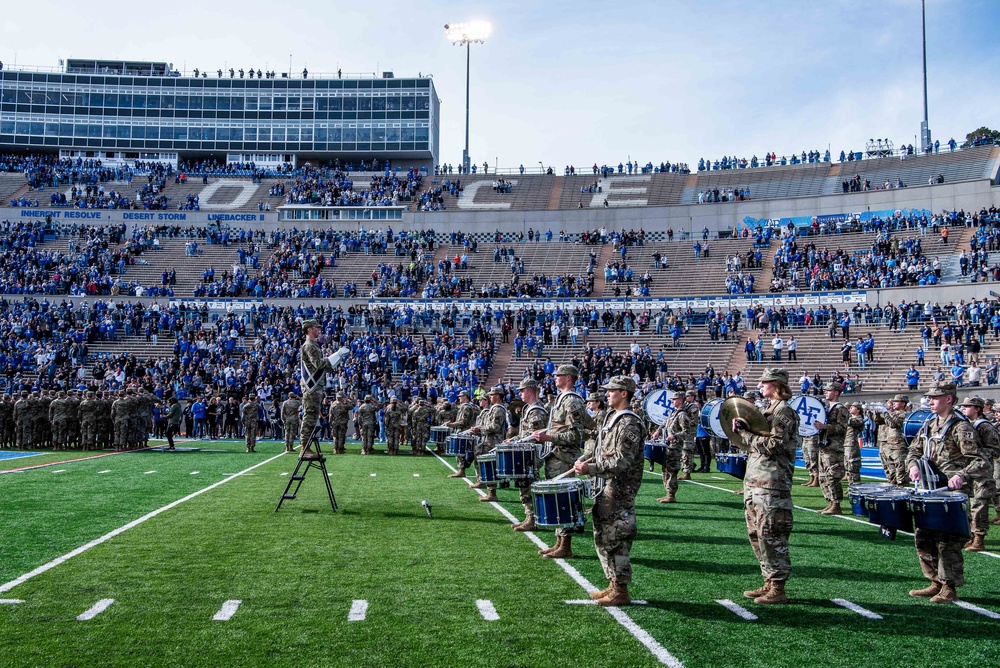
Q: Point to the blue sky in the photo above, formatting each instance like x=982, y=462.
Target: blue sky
x=578, y=82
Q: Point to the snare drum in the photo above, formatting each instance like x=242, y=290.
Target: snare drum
x=459, y=444
x=732, y=463
x=890, y=508
x=914, y=421
x=558, y=503
x=857, y=492
x=515, y=461
x=439, y=435
x=942, y=511
x=486, y=468
x=710, y=418
x=656, y=453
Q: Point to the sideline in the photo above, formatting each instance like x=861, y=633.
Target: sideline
x=122, y=529
x=656, y=649
x=73, y=461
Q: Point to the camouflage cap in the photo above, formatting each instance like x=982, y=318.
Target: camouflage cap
x=24, y=393
x=497, y=390
x=306, y=324
x=595, y=396
x=369, y=398
x=528, y=384
x=620, y=383
x=464, y=393
x=835, y=385
x=901, y=397
x=991, y=401
x=774, y=376
x=393, y=400
x=568, y=370
x=975, y=402
x=942, y=390
x=691, y=393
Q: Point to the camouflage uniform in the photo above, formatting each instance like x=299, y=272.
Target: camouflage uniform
x=533, y=418
x=955, y=449
x=492, y=429
x=57, y=418
x=891, y=446
x=393, y=425
x=852, y=451
x=340, y=414
x=22, y=422
x=810, y=454
x=985, y=490
x=119, y=417
x=617, y=469
x=366, y=418
x=290, y=420
x=831, y=454
x=73, y=402
x=250, y=416
x=678, y=425
x=421, y=426
x=768, y=489
x=689, y=449
x=567, y=422
x=42, y=430
x=444, y=414
x=6, y=421
x=313, y=367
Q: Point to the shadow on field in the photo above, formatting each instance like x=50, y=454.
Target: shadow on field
x=702, y=540
x=698, y=567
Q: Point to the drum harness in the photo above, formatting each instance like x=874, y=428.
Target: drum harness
x=547, y=448
x=824, y=440
x=599, y=481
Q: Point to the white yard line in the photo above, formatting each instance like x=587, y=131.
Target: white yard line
x=227, y=610
x=640, y=634
x=359, y=610
x=590, y=601
x=59, y=471
x=122, y=529
x=740, y=611
x=854, y=607
x=976, y=608
x=149, y=472
x=101, y=472
x=97, y=609
x=195, y=472
x=487, y=610
x=10, y=601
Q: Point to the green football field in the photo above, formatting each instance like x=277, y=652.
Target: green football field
x=200, y=571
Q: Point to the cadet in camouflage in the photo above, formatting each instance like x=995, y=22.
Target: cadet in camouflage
x=852, y=448
x=985, y=490
x=617, y=469
x=464, y=420
x=393, y=425
x=533, y=417
x=689, y=448
x=831, y=453
x=250, y=415
x=768, y=486
x=677, y=430
x=492, y=427
x=367, y=418
x=951, y=443
x=339, y=416
x=891, y=446
x=290, y=420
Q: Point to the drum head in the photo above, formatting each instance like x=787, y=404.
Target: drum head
x=810, y=409
x=553, y=486
x=658, y=405
x=710, y=414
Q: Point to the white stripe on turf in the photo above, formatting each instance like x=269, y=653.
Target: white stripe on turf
x=60, y=471
x=10, y=601
x=359, y=610
x=97, y=609
x=854, y=607
x=640, y=634
x=227, y=610
x=149, y=472
x=100, y=472
x=590, y=601
x=487, y=610
x=976, y=608
x=122, y=529
x=195, y=472
x=738, y=609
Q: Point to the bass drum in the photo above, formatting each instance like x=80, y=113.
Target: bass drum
x=710, y=418
x=810, y=409
x=914, y=421
x=658, y=405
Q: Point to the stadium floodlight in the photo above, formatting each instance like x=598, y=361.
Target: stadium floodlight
x=467, y=34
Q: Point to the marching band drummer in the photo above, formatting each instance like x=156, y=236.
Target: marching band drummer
x=567, y=422
x=891, y=446
x=466, y=419
x=617, y=468
x=950, y=442
x=493, y=428
x=533, y=417
x=677, y=432
x=768, y=486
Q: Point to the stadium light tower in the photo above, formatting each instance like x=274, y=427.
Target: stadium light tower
x=925, y=129
x=467, y=34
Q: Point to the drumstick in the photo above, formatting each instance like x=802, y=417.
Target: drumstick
x=931, y=491
x=566, y=473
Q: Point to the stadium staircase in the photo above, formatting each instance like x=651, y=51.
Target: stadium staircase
x=915, y=170
x=171, y=255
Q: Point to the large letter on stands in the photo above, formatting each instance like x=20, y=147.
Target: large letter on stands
x=614, y=185
x=467, y=200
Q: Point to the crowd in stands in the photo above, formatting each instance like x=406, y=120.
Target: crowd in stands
x=728, y=194
x=770, y=159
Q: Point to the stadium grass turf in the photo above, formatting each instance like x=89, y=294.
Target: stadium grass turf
x=297, y=572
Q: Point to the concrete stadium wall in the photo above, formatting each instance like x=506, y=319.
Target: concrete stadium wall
x=968, y=195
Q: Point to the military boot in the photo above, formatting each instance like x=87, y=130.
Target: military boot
x=813, y=481
x=996, y=520
x=932, y=590
x=527, y=525
x=545, y=551
x=826, y=511
x=775, y=594
x=491, y=496
x=760, y=591
x=460, y=473
x=976, y=544
x=601, y=594
x=684, y=476
x=563, y=550
x=479, y=485
x=947, y=593
x=835, y=508
x=617, y=596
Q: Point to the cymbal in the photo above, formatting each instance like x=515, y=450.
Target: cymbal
x=738, y=407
